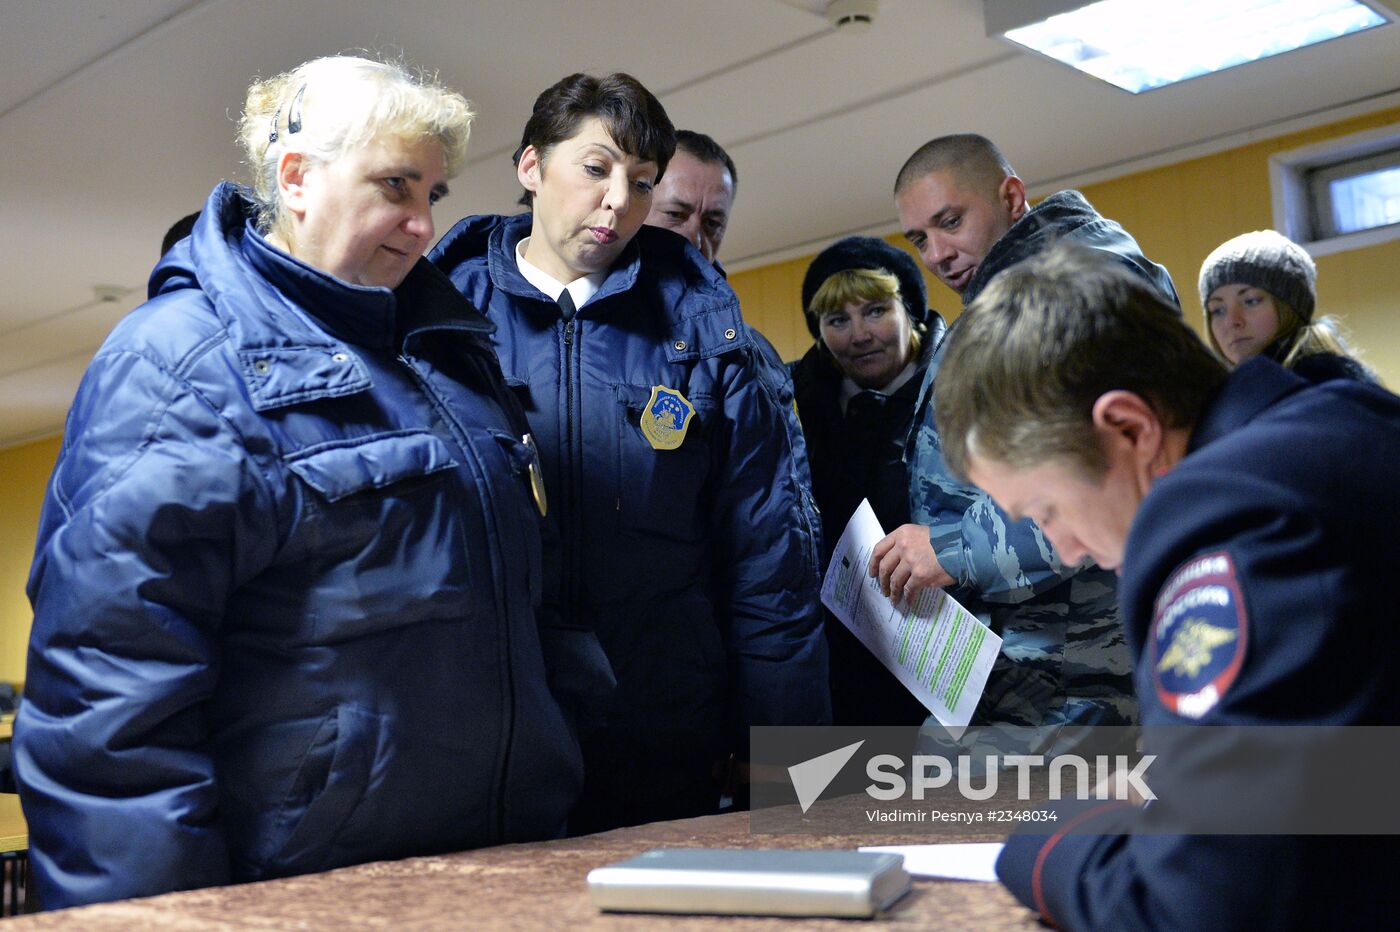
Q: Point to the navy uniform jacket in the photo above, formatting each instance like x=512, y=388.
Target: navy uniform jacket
x=696, y=567
x=285, y=588
x=1257, y=588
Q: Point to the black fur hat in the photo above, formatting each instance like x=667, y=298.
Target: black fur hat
x=866, y=252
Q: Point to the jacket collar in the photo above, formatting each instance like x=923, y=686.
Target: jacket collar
x=353, y=313
x=1052, y=217
x=1066, y=214
x=1255, y=385
x=691, y=297
x=505, y=271
x=378, y=318
x=429, y=303
x=296, y=331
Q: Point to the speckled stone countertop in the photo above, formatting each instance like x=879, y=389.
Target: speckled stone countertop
x=529, y=886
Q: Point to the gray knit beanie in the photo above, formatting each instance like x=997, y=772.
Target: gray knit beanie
x=1267, y=260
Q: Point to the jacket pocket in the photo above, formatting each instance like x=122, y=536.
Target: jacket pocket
x=342, y=468
x=384, y=530
x=659, y=492
x=328, y=786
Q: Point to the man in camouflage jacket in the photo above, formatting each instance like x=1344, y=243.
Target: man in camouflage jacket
x=1063, y=658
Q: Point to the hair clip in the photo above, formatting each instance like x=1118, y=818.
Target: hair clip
x=293, y=117
x=294, y=114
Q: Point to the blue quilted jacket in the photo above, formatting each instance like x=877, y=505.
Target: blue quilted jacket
x=695, y=567
x=285, y=587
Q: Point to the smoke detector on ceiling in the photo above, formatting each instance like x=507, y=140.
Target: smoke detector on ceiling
x=852, y=16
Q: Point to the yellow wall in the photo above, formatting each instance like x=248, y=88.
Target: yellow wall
x=24, y=471
x=1178, y=214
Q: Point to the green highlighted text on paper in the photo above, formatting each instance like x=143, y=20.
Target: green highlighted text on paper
x=937, y=648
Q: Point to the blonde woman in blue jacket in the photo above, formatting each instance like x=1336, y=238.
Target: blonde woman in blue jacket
x=288, y=567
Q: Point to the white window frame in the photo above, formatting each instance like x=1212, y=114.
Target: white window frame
x=1293, y=194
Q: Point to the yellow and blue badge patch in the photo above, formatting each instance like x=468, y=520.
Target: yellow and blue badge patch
x=666, y=418
x=1199, y=635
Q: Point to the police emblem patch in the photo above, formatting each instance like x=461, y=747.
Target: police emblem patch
x=1199, y=635
x=666, y=418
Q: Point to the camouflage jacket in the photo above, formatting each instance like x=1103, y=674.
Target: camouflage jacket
x=1063, y=658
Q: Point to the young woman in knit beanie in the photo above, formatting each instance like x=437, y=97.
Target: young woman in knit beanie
x=1259, y=291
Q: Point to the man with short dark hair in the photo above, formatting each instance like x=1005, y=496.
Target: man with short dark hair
x=693, y=199
x=1251, y=516
x=695, y=195
x=962, y=206
x=1063, y=661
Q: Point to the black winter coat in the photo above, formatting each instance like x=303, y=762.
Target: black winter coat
x=856, y=456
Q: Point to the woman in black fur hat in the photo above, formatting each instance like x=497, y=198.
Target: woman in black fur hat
x=856, y=388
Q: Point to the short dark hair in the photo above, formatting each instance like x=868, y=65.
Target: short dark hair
x=705, y=149
x=975, y=160
x=1037, y=348
x=178, y=231
x=632, y=115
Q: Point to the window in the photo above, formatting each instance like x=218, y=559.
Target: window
x=1341, y=194
x=1360, y=194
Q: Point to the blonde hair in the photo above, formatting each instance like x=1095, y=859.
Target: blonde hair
x=853, y=286
x=328, y=106
x=1296, y=338
x=1323, y=335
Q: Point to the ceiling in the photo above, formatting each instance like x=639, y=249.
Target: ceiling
x=118, y=116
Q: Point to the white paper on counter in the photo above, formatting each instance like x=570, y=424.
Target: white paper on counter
x=938, y=649
x=974, y=861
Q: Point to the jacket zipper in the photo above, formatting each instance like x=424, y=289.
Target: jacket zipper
x=569, y=598
x=503, y=613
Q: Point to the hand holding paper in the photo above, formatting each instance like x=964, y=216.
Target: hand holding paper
x=906, y=564
x=937, y=648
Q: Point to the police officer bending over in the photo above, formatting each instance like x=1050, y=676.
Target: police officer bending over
x=1074, y=395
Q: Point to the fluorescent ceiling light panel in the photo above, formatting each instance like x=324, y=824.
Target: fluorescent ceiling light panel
x=1142, y=44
